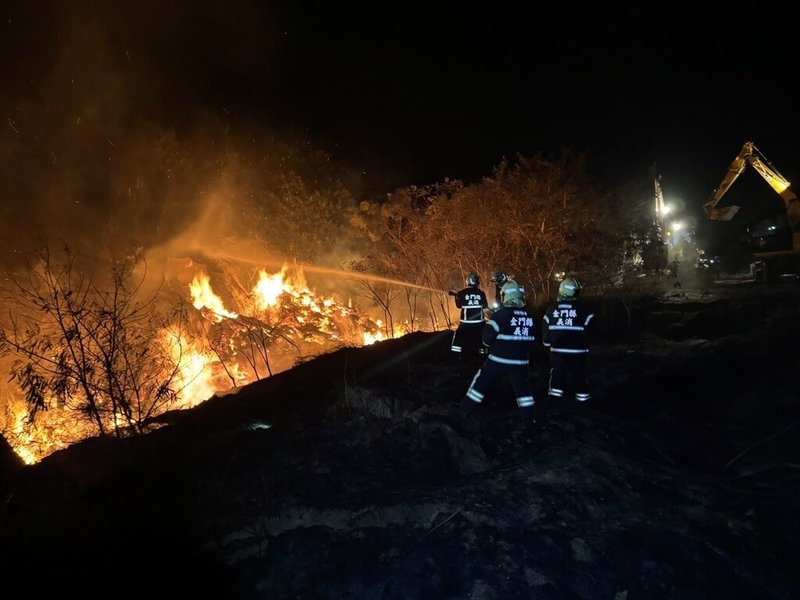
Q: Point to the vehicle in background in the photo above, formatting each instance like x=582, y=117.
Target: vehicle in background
x=709, y=262
x=774, y=241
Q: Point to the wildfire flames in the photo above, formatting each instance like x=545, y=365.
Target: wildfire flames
x=278, y=321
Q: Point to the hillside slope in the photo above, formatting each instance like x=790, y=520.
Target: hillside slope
x=345, y=477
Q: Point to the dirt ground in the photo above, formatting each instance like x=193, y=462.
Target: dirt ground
x=347, y=476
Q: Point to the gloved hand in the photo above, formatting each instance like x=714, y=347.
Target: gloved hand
x=452, y=293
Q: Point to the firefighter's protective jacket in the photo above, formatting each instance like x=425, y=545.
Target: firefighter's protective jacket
x=564, y=326
x=510, y=334
x=472, y=301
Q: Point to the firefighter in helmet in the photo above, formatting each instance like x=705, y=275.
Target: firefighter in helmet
x=509, y=335
x=471, y=302
x=564, y=333
x=499, y=279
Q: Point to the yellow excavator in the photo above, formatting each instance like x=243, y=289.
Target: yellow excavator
x=773, y=254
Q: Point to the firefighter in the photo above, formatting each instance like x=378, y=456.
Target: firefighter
x=564, y=327
x=472, y=302
x=509, y=335
x=499, y=279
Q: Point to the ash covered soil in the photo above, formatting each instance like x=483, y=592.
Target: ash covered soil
x=346, y=476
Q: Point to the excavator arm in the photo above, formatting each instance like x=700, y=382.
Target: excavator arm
x=749, y=154
x=735, y=169
x=772, y=255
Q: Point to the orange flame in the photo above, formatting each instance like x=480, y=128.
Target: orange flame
x=223, y=359
x=204, y=297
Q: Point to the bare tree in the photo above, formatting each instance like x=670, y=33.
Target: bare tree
x=103, y=351
x=532, y=218
x=381, y=293
x=406, y=246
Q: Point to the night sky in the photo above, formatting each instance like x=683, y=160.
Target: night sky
x=416, y=92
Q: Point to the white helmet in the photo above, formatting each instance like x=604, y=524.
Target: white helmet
x=512, y=294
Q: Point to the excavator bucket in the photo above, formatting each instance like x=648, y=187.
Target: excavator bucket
x=723, y=214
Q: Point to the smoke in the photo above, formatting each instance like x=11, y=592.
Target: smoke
x=131, y=125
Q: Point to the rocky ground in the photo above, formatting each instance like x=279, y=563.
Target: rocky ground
x=345, y=477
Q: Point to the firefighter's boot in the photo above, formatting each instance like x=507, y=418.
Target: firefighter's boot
x=528, y=419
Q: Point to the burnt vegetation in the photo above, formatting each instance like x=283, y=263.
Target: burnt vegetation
x=346, y=476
